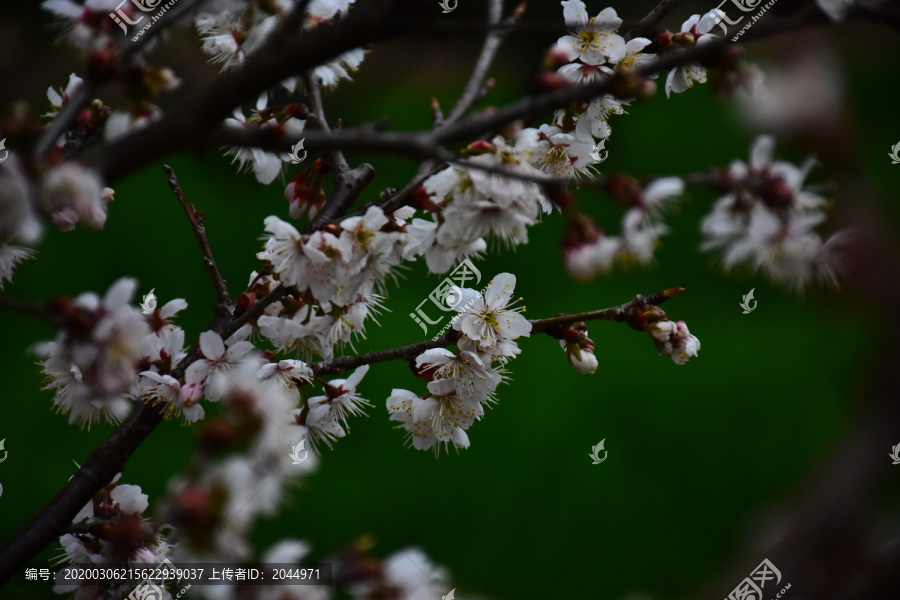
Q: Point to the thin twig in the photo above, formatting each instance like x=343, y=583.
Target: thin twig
x=209, y=261
x=204, y=111
x=615, y=313
x=83, y=95
x=646, y=25
x=40, y=310
x=348, y=183
x=488, y=51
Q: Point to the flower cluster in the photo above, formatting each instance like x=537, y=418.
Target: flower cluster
x=768, y=221
x=461, y=383
x=265, y=165
x=92, y=363
x=111, y=530
x=469, y=204
x=588, y=251
x=333, y=274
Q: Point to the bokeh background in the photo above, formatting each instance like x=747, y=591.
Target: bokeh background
x=701, y=456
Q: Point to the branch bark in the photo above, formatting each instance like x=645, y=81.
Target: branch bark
x=209, y=261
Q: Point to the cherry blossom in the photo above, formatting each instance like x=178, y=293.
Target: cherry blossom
x=592, y=40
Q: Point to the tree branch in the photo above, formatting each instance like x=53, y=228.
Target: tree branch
x=196, y=219
x=89, y=87
x=646, y=25
x=348, y=184
x=615, y=313
x=277, y=60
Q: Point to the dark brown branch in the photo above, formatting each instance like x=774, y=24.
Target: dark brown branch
x=616, y=313
x=345, y=363
x=196, y=219
x=80, y=98
x=205, y=110
x=348, y=183
x=37, y=309
x=488, y=51
x=646, y=25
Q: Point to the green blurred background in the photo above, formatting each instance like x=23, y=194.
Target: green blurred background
x=697, y=453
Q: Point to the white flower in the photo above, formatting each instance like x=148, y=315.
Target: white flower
x=217, y=364
x=19, y=221
x=71, y=193
x=593, y=40
x=168, y=390
x=491, y=318
x=340, y=400
x=439, y=257
x=640, y=236
x=472, y=377
x=563, y=154
x=59, y=99
x=586, y=260
x=835, y=9
x=327, y=9
x=120, y=122
x=10, y=256
x=584, y=361
x=673, y=339
x=129, y=498
x=266, y=166
x=414, y=575
x=684, y=77
x=92, y=371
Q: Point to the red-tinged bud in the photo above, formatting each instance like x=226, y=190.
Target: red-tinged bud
x=561, y=196
x=660, y=41
x=727, y=58
x=421, y=200
x=217, y=435
x=547, y=81
x=244, y=302
x=479, y=147
x=685, y=39
x=626, y=190
x=104, y=63
x=304, y=192
x=644, y=316
x=192, y=508
x=777, y=194
x=556, y=57
x=332, y=228
x=296, y=111
x=628, y=83
x=671, y=292
x=580, y=230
